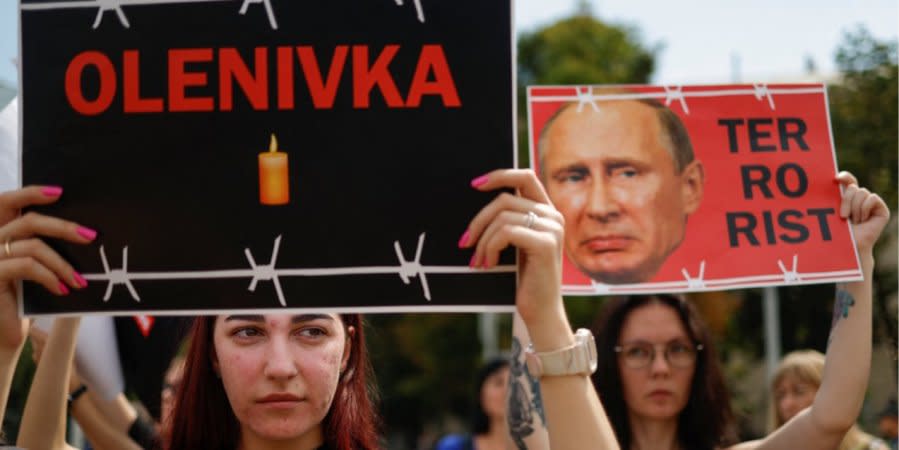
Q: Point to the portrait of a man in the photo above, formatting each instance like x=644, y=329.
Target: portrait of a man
x=624, y=176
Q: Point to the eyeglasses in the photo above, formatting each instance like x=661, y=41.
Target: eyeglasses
x=640, y=354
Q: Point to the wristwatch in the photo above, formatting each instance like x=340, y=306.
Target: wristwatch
x=577, y=359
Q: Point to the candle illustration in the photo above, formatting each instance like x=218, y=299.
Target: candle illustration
x=273, y=186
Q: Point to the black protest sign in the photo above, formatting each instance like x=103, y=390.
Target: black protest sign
x=268, y=154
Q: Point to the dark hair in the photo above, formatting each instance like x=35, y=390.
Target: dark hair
x=706, y=422
x=202, y=417
x=673, y=130
x=480, y=423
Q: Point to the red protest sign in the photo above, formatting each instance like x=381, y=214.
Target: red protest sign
x=691, y=188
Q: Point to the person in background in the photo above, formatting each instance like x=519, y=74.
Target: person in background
x=655, y=361
x=793, y=388
x=659, y=377
x=488, y=427
x=301, y=381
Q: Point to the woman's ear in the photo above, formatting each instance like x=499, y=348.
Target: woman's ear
x=347, y=348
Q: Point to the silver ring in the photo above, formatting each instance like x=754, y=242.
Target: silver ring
x=8, y=250
x=530, y=219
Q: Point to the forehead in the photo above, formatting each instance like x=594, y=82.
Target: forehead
x=653, y=322
x=620, y=129
x=792, y=378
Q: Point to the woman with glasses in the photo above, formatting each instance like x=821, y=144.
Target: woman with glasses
x=658, y=375
x=660, y=381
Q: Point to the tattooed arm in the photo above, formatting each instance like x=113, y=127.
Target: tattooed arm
x=839, y=399
x=526, y=416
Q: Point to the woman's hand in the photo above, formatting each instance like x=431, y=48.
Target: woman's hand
x=529, y=222
x=866, y=211
x=24, y=256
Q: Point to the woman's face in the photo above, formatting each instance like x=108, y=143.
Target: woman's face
x=280, y=372
x=659, y=390
x=493, y=393
x=793, y=395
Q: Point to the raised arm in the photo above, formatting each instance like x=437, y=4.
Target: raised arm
x=12, y=339
x=44, y=419
x=526, y=415
x=22, y=257
x=103, y=431
x=574, y=415
x=848, y=360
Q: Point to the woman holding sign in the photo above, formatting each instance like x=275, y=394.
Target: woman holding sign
x=660, y=380
x=301, y=381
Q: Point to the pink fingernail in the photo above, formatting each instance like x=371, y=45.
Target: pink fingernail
x=51, y=191
x=463, y=241
x=87, y=233
x=79, y=280
x=63, y=289
x=473, y=262
x=479, y=181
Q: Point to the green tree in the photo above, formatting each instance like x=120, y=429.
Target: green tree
x=864, y=112
x=581, y=49
x=865, y=119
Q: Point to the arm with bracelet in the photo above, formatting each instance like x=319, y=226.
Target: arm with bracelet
x=103, y=433
x=107, y=424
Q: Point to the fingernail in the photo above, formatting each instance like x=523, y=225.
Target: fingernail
x=87, y=233
x=473, y=262
x=79, y=280
x=479, y=181
x=463, y=241
x=51, y=191
x=63, y=289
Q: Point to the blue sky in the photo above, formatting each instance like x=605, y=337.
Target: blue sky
x=772, y=38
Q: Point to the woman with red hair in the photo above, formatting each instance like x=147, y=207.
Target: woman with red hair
x=256, y=381
x=275, y=381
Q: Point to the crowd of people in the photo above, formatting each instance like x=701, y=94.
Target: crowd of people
x=302, y=381
x=650, y=379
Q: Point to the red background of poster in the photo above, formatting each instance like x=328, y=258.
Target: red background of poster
x=706, y=236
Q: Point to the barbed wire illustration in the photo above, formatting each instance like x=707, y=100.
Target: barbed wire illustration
x=700, y=283
x=115, y=6
x=584, y=95
x=406, y=270
x=419, y=12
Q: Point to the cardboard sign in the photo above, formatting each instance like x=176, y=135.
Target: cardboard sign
x=269, y=154
x=692, y=188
